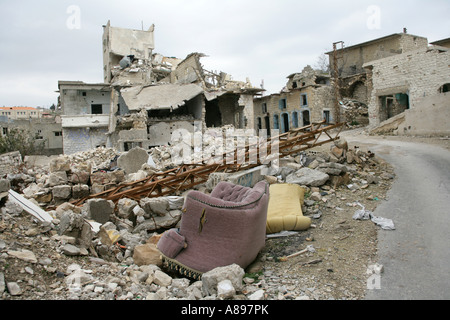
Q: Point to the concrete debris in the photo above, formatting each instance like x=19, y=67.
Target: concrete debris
x=211, y=279
x=308, y=177
x=132, y=160
x=123, y=241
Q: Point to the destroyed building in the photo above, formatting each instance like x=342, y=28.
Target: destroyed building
x=399, y=79
x=146, y=96
x=348, y=62
x=307, y=98
x=412, y=89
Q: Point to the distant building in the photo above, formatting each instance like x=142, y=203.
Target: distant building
x=45, y=129
x=20, y=113
x=307, y=98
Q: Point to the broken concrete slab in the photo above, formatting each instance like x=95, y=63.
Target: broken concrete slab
x=132, y=160
x=308, y=177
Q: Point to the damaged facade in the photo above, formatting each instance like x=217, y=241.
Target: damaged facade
x=307, y=98
x=412, y=88
x=397, y=80
x=350, y=76
x=146, y=96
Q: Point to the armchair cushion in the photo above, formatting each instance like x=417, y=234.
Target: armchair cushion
x=228, y=226
x=285, y=209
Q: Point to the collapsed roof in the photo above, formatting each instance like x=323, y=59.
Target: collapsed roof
x=165, y=96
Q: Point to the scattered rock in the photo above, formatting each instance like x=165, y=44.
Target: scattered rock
x=225, y=289
x=162, y=279
x=211, y=279
x=146, y=254
x=308, y=177
x=14, y=288
x=257, y=295
x=25, y=255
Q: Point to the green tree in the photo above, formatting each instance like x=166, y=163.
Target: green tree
x=22, y=141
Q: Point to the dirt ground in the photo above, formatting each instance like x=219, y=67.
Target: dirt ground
x=344, y=247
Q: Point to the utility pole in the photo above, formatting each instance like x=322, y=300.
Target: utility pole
x=337, y=95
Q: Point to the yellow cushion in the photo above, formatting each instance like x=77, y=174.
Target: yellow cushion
x=285, y=209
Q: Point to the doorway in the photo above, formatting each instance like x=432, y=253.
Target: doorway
x=306, y=119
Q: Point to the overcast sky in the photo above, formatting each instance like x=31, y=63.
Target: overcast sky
x=46, y=41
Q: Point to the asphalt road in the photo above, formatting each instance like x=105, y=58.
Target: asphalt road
x=415, y=256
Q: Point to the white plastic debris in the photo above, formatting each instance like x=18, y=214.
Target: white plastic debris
x=363, y=214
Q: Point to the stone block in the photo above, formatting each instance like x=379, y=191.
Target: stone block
x=100, y=210
x=43, y=196
x=125, y=207
x=59, y=164
x=57, y=178
x=80, y=191
x=146, y=254
x=162, y=279
x=5, y=185
x=62, y=192
x=79, y=177
x=155, y=206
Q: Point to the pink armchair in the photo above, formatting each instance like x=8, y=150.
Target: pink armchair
x=228, y=226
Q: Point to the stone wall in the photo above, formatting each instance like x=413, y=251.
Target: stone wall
x=83, y=139
x=431, y=119
x=418, y=74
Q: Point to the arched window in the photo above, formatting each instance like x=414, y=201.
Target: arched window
x=306, y=119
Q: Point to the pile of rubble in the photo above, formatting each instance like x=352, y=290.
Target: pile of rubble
x=353, y=168
x=119, y=239
x=209, y=147
x=355, y=112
